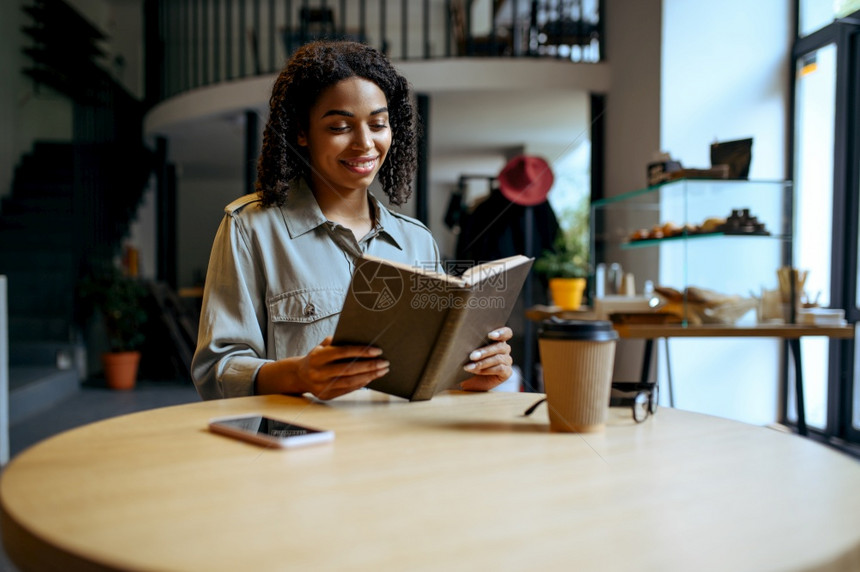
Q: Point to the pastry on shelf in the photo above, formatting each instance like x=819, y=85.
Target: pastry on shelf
x=689, y=229
x=658, y=231
x=671, y=229
x=669, y=294
x=639, y=234
x=711, y=224
x=704, y=306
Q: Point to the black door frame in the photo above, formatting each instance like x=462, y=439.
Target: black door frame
x=845, y=35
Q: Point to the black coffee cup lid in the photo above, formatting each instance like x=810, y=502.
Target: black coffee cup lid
x=588, y=330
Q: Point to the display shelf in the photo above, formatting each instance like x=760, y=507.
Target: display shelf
x=693, y=202
x=682, y=185
x=645, y=243
x=684, y=233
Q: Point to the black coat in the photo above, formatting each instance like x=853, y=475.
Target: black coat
x=497, y=228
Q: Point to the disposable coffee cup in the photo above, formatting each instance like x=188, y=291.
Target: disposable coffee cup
x=578, y=357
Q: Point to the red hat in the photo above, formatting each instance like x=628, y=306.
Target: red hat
x=526, y=180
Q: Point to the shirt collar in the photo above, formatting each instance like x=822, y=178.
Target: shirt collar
x=387, y=223
x=301, y=211
x=302, y=214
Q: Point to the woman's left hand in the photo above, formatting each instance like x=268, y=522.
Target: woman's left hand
x=491, y=364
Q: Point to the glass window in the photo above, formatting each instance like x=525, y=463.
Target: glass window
x=816, y=14
x=844, y=7
x=814, y=152
x=813, y=15
x=814, y=140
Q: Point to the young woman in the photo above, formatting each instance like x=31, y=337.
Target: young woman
x=283, y=257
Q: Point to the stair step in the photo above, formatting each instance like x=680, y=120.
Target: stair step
x=35, y=221
x=60, y=157
x=58, y=149
x=60, y=204
x=43, y=306
x=40, y=294
x=62, y=355
x=13, y=260
x=38, y=279
x=35, y=329
x=33, y=389
x=34, y=167
x=43, y=188
x=22, y=239
x=36, y=309
x=59, y=152
x=41, y=239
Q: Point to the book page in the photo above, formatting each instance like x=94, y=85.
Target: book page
x=483, y=271
x=482, y=308
x=417, y=270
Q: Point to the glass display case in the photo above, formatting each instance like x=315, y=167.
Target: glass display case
x=711, y=247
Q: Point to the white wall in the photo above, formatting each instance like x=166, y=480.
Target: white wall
x=121, y=21
x=632, y=131
x=200, y=208
x=632, y=109
x=724, y=76
x=204, y=187
x=143, y=232
x=124, y=28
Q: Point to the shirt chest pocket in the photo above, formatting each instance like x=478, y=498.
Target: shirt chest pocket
x=301, y=319
x=306, y=306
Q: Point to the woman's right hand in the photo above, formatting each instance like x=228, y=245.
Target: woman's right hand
x=326, y=372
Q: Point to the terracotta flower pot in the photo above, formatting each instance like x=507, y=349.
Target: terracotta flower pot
x=567, y=292
x=121, y=369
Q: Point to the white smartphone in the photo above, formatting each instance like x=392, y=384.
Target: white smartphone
x=264, y=430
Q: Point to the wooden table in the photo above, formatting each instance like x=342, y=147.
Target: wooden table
x=462, y=482
x=785, y=331
x=791, y=333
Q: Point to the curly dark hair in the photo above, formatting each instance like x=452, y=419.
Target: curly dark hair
x=313, y=68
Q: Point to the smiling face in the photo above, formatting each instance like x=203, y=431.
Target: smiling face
x=348, y=136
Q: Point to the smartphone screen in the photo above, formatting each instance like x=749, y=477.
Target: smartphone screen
x=266, y=430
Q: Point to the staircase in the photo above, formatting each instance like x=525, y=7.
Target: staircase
x=38, y=257
x=71, y=202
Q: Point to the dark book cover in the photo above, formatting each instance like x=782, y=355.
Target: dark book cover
x=427, y=323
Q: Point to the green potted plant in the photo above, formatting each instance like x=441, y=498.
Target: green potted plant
x=119, y=301
x=566, y=265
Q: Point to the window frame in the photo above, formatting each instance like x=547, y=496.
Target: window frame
x=844, y=33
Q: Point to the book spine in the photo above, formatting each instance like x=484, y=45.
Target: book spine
x=431, y=379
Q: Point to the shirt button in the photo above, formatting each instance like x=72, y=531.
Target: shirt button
x=310, y=309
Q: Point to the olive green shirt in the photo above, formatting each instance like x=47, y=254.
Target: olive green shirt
x=277, y=280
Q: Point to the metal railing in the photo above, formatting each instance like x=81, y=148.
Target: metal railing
x=203, y=42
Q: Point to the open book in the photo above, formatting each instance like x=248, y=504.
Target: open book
x=427, y=323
